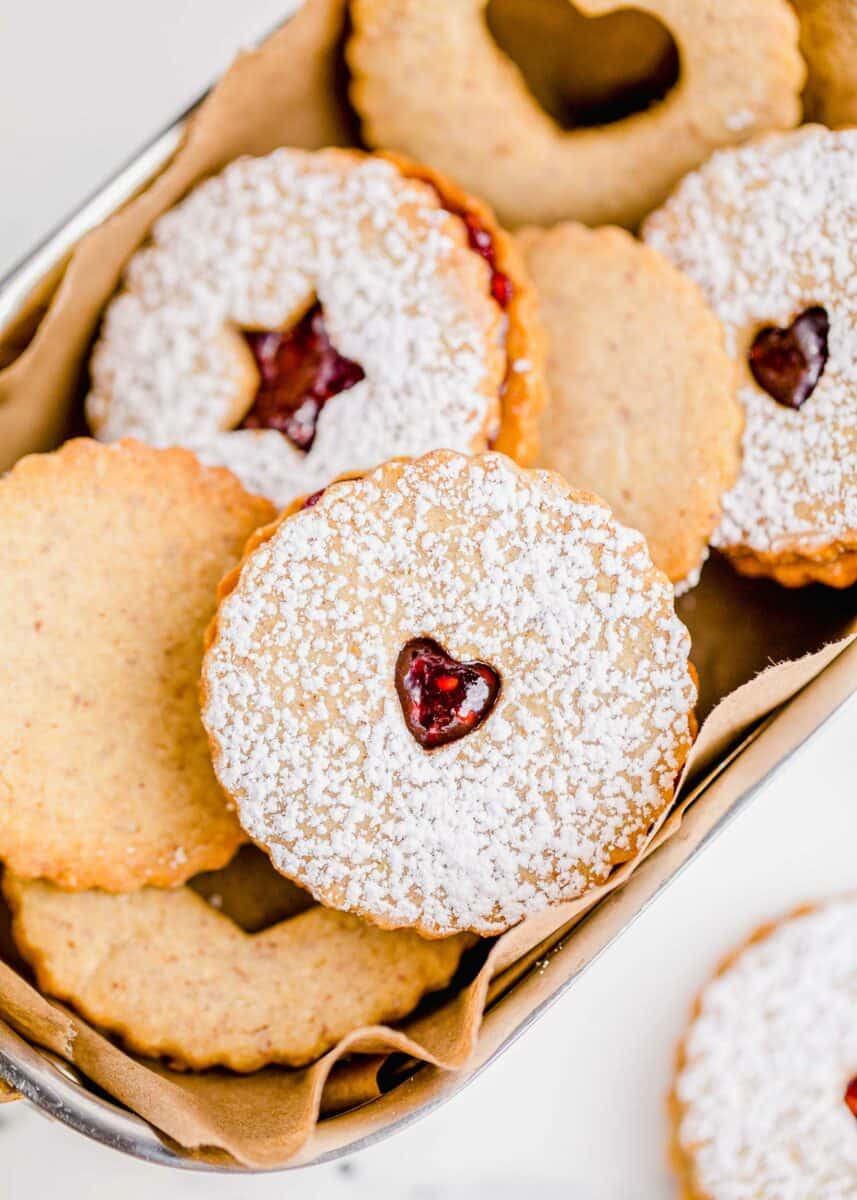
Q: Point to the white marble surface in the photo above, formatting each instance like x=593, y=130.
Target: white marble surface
x=575, y=1110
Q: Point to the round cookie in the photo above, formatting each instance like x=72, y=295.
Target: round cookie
x=448, y=694
x=111, y=560
x=828, y=42
x=308, y=313
x=173, y=977
x=428, y=80
x=765, y=1097
x=767, y=231
x=643, y=409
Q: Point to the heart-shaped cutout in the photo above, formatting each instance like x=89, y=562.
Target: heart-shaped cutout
x=851, y=1095
x=788, y=363
x=442, y=699
x=299, y=371
x=581, y=70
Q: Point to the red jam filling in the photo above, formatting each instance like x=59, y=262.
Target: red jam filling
x=851, y=1095
x=313, y=498
x=299, y=371
x=482, y=242
x=442, y=699
x=788, y=363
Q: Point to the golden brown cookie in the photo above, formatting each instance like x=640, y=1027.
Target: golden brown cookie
x=173, y=977
x=428, y=80
x=643, y=408
x=767, y=231
x=448, y=694
x=828, y=41
x=111, y=558
x=307, y=313
x=765, y=1096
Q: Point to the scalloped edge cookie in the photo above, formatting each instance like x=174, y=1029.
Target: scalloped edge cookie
x=215, y=707
x=172, y=977
x=644, y=408
x=680, y=1156
x=428, y=80
x=101, y=649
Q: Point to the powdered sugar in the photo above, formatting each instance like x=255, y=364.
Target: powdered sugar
x=251, y=248
x=767, y=230
x=768, y=1060
x=575, y=759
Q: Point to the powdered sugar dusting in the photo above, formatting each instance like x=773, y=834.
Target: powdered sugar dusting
x=767, y=230
x=577, y=756
x=768, y=1060
x=251, y=248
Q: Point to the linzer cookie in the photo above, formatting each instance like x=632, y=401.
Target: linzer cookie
x=828, y=42
x=768, y=232
x=304, y=314
x=429, y=80
x=111, y=558
x=448, y=694
x=175, y=978
x=643, y=407
x=765, y=1100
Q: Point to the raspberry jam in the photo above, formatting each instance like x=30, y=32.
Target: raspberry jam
x=788, y=363
x=851, y=1095
x=482, y=242
x=442, y=699
x=300, y=370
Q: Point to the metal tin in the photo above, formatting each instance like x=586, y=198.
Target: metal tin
x=62, y=1094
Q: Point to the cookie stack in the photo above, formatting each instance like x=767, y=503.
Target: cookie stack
x=439, y=696
x=110, y=805
x=336, y=649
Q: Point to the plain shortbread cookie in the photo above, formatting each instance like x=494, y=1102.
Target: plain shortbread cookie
x=174, y=977
x=111, y=559
x=643, y=408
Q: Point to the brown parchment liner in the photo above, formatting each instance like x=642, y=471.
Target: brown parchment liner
x=289, y=92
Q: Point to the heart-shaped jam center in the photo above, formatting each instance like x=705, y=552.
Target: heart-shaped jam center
x=851, y=1095
x=788, y=363
x=299, y=371
x=442, y=699
x=581, y=70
